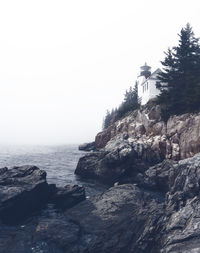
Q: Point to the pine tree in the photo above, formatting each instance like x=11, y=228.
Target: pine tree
x=130, y=103
x=180, y=78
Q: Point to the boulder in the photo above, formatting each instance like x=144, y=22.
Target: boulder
x=119, y=159
x=24, y=190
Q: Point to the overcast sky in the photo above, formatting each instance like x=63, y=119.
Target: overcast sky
x=64, y=62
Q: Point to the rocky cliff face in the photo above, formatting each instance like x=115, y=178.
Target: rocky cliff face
x=176, y=139
x=140, y=140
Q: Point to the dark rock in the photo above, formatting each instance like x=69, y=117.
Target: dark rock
x=181, y=229
x=123, y=219
x=87, y=146
x=161, y=214
x=22, y=190
x=157, y=177
x=120, y=159
x=68, y=196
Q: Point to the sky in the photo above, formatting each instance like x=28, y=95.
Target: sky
x=63, y=63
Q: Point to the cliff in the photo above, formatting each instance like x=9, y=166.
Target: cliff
x=176, y=139
x=139, y=140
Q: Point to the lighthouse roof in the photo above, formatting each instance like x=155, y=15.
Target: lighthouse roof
x=145, y=67
x=153, y=76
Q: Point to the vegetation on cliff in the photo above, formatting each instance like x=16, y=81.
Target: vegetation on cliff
x=129, y=103
x=180, y=77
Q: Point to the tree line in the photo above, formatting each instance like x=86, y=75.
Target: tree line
x=129, y=103
x=180, y=77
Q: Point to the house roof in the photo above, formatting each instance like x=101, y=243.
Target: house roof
x=153, y=76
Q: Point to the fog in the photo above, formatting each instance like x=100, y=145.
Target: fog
x=63, y=63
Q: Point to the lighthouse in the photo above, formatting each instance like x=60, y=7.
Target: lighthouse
x=147, y=84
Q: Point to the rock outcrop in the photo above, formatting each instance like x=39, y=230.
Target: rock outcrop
x=176, y=139
x=119, y=159
x=87, y=146
x=159, y=214
x=139, y=140
x=24, y=190
x=123, y=219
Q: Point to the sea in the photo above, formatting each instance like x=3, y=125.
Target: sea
x=58, y=161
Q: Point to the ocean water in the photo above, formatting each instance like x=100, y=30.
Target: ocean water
x=58, y=161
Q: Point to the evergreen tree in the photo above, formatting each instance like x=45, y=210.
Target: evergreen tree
x=107, y=119
x=180, y=78
x=130, y=103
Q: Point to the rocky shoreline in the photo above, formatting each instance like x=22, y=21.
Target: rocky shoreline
x=153, y=207
x=158, y=214
x=24, y=190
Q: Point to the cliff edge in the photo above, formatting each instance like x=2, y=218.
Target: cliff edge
x=139, y=140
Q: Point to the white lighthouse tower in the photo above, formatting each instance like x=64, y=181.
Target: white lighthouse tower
x=147, y=84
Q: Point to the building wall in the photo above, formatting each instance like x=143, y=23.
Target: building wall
x=154, y=92
x=145, y=92
x=147, y=88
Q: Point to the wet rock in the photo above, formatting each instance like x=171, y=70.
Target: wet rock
x=123, y=219
x=22, y=190
x=87, y=146
x=160, y=214
x=68, y=196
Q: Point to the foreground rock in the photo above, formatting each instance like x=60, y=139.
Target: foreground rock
x=24, y=190
x=160, y=214
x=173, y=188
x=124, y=219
